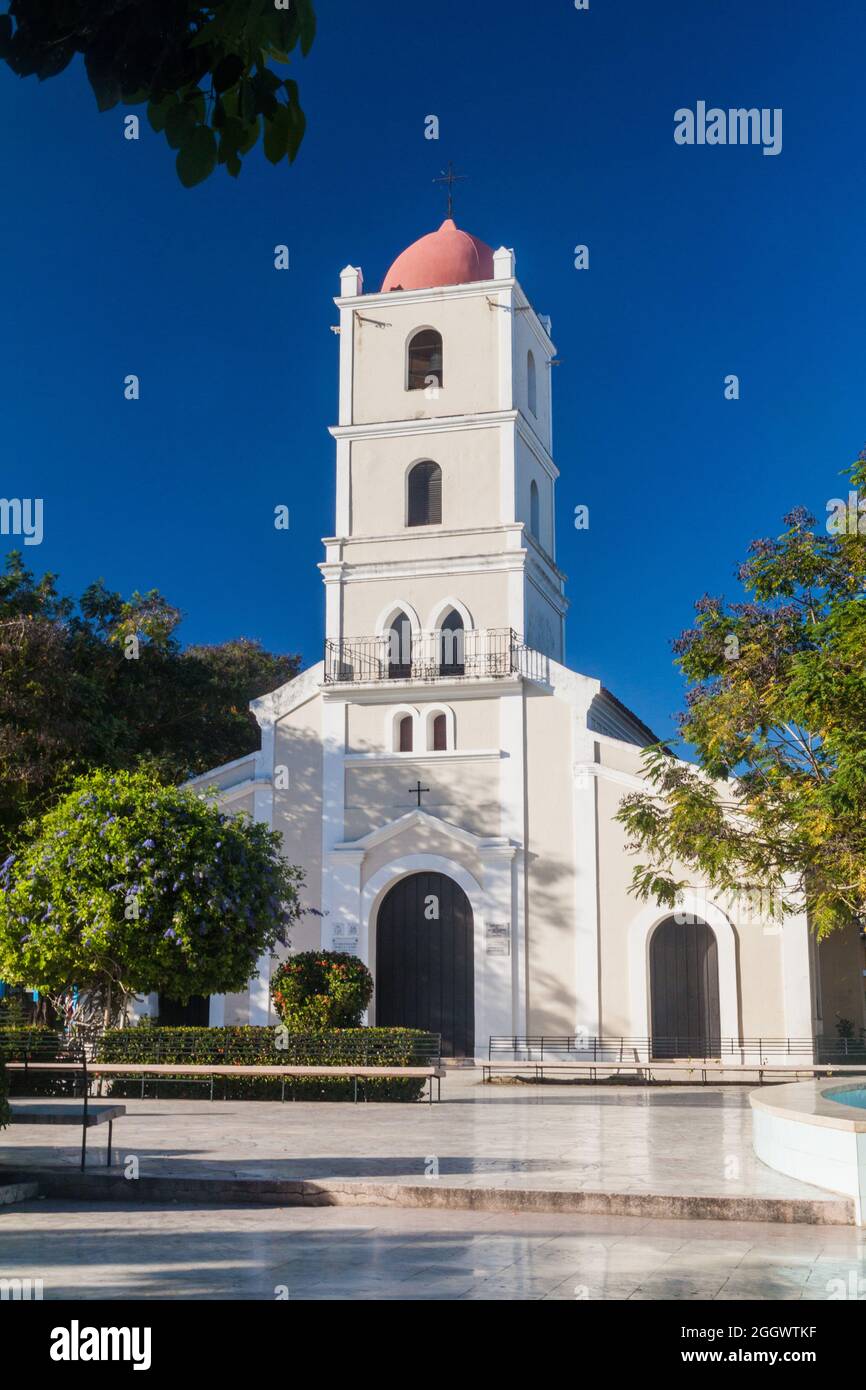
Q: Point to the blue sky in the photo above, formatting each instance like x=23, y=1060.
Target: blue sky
x=703, y=262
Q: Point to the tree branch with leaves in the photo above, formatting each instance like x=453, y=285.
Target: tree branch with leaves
x=205, y=71
x=776, y=713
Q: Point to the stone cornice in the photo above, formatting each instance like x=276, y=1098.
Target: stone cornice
x=483, y=844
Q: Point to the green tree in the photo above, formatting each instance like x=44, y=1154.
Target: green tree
x=205, y=70
x=105, y=683
x=777, y=716
x=129, y=885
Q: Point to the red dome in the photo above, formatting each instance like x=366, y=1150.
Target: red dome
x=446, y=257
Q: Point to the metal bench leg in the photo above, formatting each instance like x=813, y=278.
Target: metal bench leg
x=110, y=1123
x=355, y=1080
x=84, y=1130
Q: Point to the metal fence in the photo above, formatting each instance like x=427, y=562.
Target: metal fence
x=818, y=1050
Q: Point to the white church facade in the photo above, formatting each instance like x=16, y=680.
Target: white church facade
x=448, y=785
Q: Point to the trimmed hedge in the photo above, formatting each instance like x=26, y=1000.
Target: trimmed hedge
x=20, y=1042
x=4, y=1091
x=250, y=1046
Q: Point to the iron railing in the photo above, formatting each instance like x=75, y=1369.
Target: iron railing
x=428, y=656
x=818, y=1050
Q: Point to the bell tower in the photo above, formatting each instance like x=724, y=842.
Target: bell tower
x=445, y=475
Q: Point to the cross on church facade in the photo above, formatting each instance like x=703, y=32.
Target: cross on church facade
x=419, y=791
x=450, y=177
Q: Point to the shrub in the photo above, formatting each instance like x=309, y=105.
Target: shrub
x=4, y=1091
x=395, y=1047
x=321, y=989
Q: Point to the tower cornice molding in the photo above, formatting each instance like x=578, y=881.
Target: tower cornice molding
x=515, y=562
x=471, y=290
x=433, y=424
x=451, y=424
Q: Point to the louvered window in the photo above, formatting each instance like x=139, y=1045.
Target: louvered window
x=425, y=495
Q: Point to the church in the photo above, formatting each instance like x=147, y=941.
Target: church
x=448, y=785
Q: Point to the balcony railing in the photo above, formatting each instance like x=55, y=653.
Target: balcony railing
x=427, y=656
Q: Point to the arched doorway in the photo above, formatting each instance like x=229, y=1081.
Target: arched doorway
x=425, y=975
x=684, y=990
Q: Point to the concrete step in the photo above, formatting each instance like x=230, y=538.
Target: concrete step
x=67, y=1184
x=17, y=1192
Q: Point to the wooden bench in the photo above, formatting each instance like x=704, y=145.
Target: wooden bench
x=58, y=1113
x=207, y=1074
x=707, y=1067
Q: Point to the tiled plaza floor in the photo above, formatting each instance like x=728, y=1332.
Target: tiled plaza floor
x=86, y=1251
x=687, y=1141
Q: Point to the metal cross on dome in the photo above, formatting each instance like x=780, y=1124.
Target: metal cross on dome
x=450, y=177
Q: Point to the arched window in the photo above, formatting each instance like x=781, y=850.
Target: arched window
x=405, y=727
x=425, y=360
x=531, y=384
x=452, y=646
x=425, y=495
x=400, y=648
x=534, y=526
x=439, y=729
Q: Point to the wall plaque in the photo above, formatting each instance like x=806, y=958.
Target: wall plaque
x=497, y=940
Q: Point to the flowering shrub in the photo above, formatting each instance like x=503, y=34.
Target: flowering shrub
x=128, y=885
x=321, y=989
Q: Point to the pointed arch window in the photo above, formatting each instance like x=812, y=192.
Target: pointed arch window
x=425, y=360
x=452, y=645
x=534, y=510
x=532, y=383
x=425, y=495
x=400, y=649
